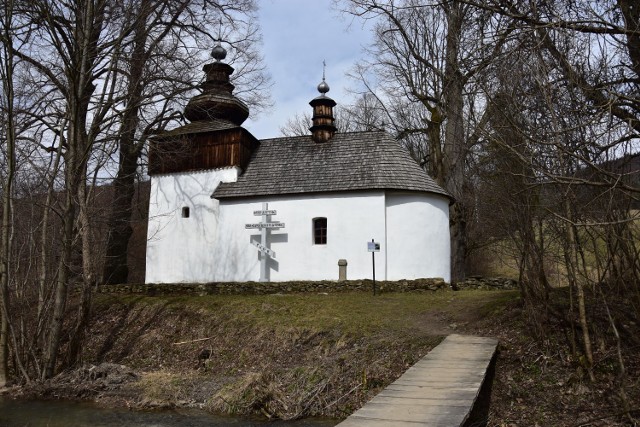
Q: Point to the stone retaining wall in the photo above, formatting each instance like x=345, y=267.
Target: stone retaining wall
x=260, y=288
x=478, y=282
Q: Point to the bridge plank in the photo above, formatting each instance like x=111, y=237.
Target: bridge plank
x=438, y=391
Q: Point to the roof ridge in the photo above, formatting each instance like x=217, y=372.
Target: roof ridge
x=337, y=135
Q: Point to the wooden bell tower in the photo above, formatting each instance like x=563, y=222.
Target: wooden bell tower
x=323, y=127
x=214, y=138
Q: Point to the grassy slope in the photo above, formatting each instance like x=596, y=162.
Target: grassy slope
x=281, y=355
x=300, y=355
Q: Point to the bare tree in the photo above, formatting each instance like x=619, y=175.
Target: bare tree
x=158, y=68
x=607, y=69
x=428, y=55
x=108, y=74
x=564, y=119
x=70, y=45
x=9, y=134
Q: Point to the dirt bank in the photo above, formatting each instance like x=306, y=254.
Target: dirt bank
x=285, y=356
x=298, y=355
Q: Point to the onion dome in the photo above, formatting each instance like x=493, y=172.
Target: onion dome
x=323, y=87
x=217, y=102
x=219, y=53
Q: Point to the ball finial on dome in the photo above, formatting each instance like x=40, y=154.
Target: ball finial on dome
x=219, y=53
x=323, y=87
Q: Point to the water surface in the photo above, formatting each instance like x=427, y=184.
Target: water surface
x=73, y=414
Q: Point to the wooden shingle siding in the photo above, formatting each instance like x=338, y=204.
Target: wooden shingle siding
x=201, y=151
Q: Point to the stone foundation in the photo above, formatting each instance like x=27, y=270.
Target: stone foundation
x=488, y=283
x=263, y=288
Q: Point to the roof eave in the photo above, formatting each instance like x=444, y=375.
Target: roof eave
x=352, y=190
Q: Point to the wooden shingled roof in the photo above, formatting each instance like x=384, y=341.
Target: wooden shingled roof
x=349, y=161
x=201, y=126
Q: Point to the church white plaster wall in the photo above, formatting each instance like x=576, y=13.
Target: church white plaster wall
x=418, y=243
x=213, y=244
x=179, y=249
x=352, y=220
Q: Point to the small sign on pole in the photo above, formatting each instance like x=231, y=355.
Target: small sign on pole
x=373, y=247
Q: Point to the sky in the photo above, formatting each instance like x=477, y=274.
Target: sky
x=297, y=36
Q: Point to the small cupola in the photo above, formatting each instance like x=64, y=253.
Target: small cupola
x=217, y=100
x=323, y=127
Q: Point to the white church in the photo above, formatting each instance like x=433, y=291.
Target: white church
x=227, y=207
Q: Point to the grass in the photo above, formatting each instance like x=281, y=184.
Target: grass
x=500, y=257
x=353, y=313
x=298, y=355
x=283, y=355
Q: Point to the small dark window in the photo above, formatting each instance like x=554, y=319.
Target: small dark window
x=185, y=212
x=320, y=231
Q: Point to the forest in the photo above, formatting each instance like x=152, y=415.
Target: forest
x=525, y=111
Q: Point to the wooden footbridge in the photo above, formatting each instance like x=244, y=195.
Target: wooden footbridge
x=440, y=390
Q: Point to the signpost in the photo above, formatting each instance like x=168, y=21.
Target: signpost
x=264, y=226
x=373, y=247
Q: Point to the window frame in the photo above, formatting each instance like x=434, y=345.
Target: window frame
x=319, y=230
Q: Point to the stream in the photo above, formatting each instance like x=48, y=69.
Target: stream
x=81, y=414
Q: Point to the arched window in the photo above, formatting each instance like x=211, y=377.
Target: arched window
x=185, y=212
x=320, y=231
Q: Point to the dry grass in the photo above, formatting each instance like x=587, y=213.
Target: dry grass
x=283, y=356
x=289, y=356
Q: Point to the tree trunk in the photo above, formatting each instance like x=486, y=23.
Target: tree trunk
x=75, y=166
x=571, y=258
x=60, y=296
x=88, y=278
x=4, y=343
x=116, y=268
x=533, y=252
x=631, y=13
x=79, y=73
x=434, y=129
x=44, y=236
x=7, y=88
x=455, y=150
x=458, y=229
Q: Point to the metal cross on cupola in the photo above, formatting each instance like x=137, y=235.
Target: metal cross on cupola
x=265, y=227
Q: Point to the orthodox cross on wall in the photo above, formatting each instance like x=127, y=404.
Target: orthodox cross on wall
x=265, y=227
